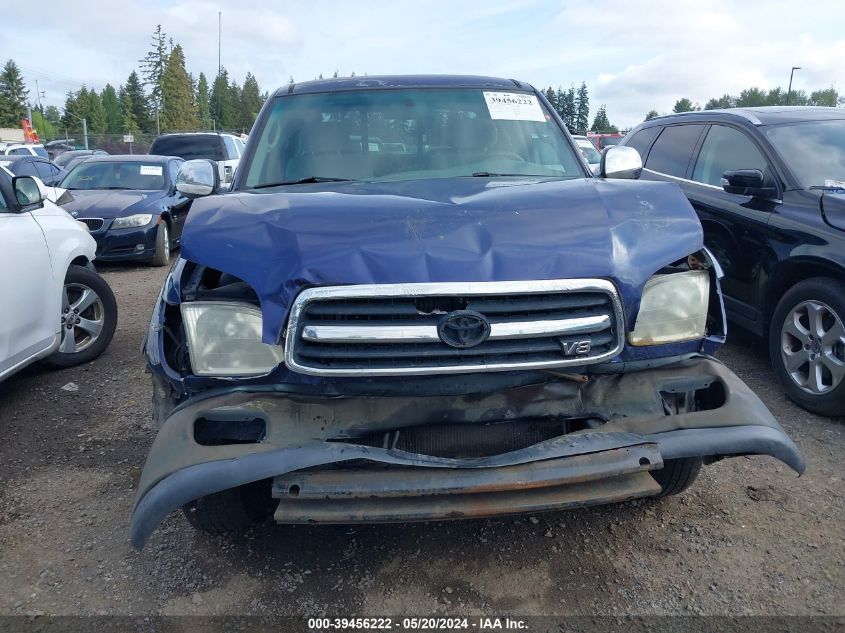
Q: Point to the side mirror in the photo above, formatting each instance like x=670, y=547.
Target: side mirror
x=28, y=192
x=620, y=162
x=748, y=182
x=197, y=178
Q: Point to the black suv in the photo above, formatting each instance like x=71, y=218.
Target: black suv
x=768, y=185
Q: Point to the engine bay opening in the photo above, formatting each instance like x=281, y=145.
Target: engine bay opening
x=468, y=440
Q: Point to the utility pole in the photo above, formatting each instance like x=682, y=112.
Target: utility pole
x=219, y=42
x=789, y=90
x=85, y=131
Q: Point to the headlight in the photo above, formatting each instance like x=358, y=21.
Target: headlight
x=132, y=221
x=224, y=339
x=673, y=308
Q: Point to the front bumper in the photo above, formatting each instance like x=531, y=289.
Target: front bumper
x=123, y=244
x=309, y=442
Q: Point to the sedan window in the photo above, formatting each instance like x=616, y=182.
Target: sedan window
x=672, y=150
x=725, y=149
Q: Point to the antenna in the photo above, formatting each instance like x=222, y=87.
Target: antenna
x=219, y=40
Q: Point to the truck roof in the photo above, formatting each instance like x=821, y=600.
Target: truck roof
x=402, y=81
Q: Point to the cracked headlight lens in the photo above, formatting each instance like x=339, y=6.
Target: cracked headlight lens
x=224, y=339
x=673, y=308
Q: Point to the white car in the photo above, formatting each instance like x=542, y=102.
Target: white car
x=224, y=149
x=55, y=306
x=591, y=154
x=23, y=149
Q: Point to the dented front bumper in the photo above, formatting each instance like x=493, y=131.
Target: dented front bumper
x=326, y=468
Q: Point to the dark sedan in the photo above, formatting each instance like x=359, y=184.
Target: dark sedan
x=26, y=165
x=768, y=185
x=64, y=159
x=130, y=204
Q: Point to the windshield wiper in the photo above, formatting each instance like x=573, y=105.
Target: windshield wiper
x=112, y=188
x=490, y=174
x=302, y=181
x=828, y=187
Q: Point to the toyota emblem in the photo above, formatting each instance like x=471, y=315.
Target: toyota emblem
x=463, y=328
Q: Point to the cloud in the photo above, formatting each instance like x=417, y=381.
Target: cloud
x=634, y=56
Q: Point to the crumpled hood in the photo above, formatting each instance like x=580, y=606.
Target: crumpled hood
x=94, y=203
x=459, y=229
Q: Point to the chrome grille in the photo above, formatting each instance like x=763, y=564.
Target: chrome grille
x=93, y=224
x=377, y=330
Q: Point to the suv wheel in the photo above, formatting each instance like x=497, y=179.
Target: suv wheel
x=88, y=318
x=807, y=345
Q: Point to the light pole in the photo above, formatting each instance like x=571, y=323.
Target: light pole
x=789, y=90
x=84, y=127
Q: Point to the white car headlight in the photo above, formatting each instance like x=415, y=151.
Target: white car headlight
x=673, y=308
x=224, y=339
x=132, y=221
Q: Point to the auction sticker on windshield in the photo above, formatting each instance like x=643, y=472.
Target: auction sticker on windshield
x=151, y=170
x=514, y=106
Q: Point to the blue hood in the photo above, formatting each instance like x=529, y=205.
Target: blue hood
x=99, y=203
x=459, y=229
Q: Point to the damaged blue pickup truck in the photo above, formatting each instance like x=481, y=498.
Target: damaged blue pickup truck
x=416, y=302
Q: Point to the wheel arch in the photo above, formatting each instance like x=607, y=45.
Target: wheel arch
x=791, y=272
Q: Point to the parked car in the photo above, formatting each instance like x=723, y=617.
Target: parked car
x=64, y=159
x=130, y=204
x=26, y=165
x=769, y=187
x=589, y=151
x=58, y=147
x=23, y=149
x=223, y=149
x=476, y=326
x=602, y=140
x=55, y=305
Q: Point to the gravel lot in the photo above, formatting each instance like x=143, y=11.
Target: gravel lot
x=749, y=538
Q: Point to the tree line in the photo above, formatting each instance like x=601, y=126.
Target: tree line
x=160, y=96
x=756, y=97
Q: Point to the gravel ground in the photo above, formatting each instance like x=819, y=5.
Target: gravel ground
x=748, y=538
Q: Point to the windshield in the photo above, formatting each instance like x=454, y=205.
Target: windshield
x=814, y=151
x=588, y=150
x=379, y=135
x=115, y=175
x=189, y=146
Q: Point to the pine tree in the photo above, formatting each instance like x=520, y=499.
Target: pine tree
x=129, y=123
x=13, y=95
x=178, y=111
x=114, y=118
x=684, y=105
x=651, y=114
x=76, y=109
x=551, y=96
x=203, y=111
x=560, y=97
x=96, y=114
x=139, y=103
x=601, y=123
x=235, y=101
x=569, y=109
x=250, y=104
x=582, y=108
x=152, y=67
x=220, y=102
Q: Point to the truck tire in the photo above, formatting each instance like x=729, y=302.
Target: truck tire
x=807, y=345
x=88, y=318
x=162, y=254
x=677, y=475
x=232, y=510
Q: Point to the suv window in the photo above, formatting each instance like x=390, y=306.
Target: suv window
x=724, y=149
x=231, y=150
x=672, y=150
x=23, y=168
x=189, y=146
x=642, y=139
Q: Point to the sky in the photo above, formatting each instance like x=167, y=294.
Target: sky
x=634, y=56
